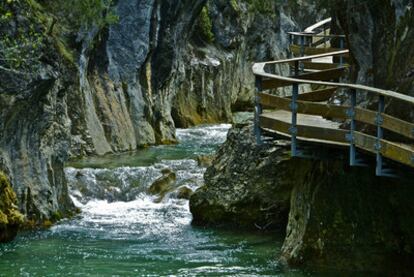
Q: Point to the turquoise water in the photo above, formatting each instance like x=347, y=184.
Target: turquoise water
x=122, y=232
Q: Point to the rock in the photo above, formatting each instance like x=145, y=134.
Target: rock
x=383, y=56
x=350, y=219
x=163, y=185
x=184, y=192
x=246, y=186
x=205, y=160
x=10, y=217
x=335, y=216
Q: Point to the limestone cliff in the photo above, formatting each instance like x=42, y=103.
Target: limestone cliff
x=78, y=89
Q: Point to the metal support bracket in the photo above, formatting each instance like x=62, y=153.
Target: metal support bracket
x=293, y=131
x=379, y=120
x=350, y=113
x=378, y=146
x=293, y=107
x=350, y=138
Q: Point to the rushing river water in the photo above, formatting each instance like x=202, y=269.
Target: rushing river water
x=122, y=232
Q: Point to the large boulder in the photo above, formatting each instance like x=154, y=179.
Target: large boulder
x=247, y=185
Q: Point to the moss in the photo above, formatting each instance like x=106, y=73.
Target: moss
x=235, y=6
x=205, y=25
x=56, y=216
x=10, y=217
x=65, y=52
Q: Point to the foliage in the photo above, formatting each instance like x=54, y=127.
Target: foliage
x=21, y=41
x=262, y=6
x=86, y=13
x=205, y=25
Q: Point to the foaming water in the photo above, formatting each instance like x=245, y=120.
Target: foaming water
x=123, y=232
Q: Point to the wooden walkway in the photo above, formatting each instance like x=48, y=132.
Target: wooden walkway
x=311, y=116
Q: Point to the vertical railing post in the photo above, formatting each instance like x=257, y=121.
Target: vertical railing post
x=258, y=111
x=351, y=138
x=342, y=46
x=380, y=134
x=302, y=45
x=293, y=130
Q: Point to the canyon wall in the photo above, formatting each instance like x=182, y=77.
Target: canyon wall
x=98, y=88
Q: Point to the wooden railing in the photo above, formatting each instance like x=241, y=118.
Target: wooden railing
x=322, y=66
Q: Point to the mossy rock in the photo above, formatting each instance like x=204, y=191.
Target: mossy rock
x=10, y=217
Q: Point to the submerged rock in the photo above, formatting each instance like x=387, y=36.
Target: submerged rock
x=184, y=192
x=163, y=185
x=10, y=217
x=335, y=216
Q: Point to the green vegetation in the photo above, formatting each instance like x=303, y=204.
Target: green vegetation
x=85, y=13
x=262, y=6
x=205, y=25
x=9, y=215
x=21, y=40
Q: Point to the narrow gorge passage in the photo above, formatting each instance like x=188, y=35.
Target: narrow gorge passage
x=122, y=231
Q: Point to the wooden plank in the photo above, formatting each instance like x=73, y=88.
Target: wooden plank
x=304, y=107
x=317, y=66
x=274, y=83
x=322, y=75
x=304, y=131
x=276, y=102
x=401, y=153
x=390, y=123
x=319, y=95
x=296, y=49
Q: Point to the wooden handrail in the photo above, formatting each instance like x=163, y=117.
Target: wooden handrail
x=312, y=28
x=258, y=70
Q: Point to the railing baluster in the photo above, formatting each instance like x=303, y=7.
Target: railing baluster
x=302, y=46
x=351, y=114
x=258, y=111
x=294, y=108
x=341, y=46
x=380, y=134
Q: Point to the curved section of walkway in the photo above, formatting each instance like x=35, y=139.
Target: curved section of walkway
x=309, y=117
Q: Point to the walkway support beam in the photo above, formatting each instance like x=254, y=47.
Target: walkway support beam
x=258, y=111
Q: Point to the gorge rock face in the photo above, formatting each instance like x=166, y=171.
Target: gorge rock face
x=121, y=86
x=380, y=36
x=337, y=216
x=349, y=219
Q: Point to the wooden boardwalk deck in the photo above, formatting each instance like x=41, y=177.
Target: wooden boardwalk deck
x=308, y=117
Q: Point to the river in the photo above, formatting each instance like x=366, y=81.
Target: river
x=123, y=232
